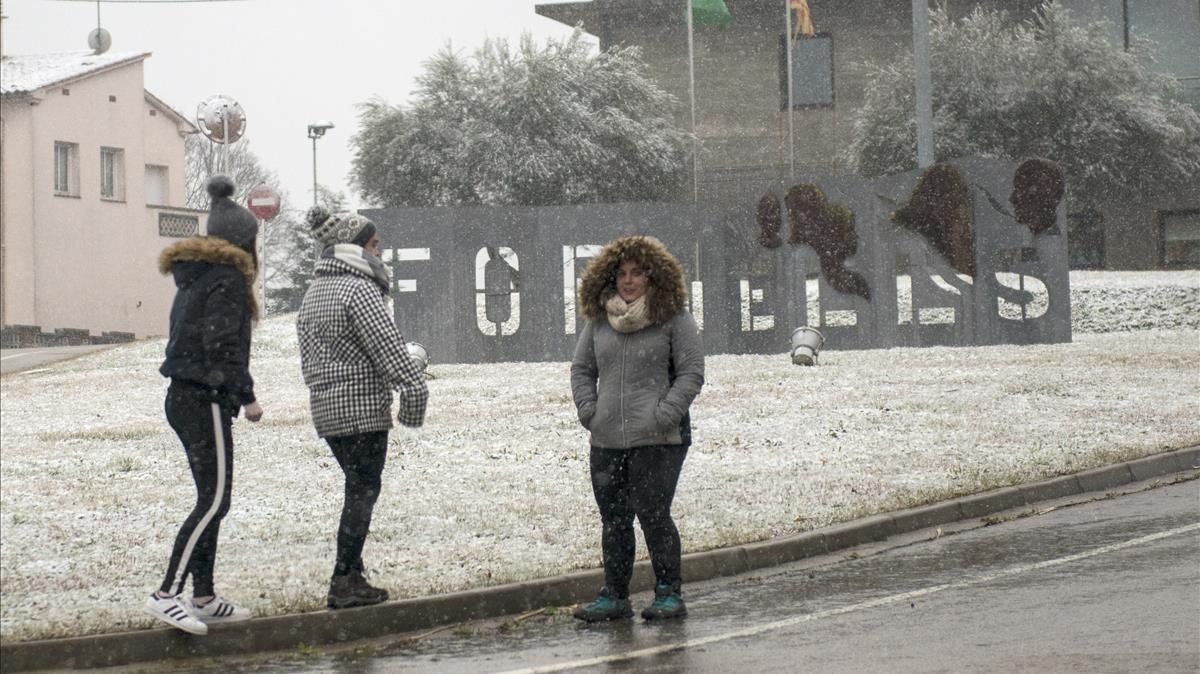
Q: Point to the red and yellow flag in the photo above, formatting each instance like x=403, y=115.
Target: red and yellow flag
x=802, y=21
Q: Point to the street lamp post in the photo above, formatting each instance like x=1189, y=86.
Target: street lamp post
x=315, y=131
x=924, y=94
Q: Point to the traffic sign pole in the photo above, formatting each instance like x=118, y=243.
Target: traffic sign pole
x=264, y=203
x=262, y=265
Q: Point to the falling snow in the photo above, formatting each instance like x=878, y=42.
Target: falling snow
x=494, y=489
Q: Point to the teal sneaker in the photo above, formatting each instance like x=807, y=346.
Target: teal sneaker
x=667, y=604
x=604, y=607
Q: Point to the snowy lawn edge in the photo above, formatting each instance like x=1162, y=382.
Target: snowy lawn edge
x=495, y=488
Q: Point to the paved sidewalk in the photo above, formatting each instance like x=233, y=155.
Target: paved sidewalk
x=329, y=627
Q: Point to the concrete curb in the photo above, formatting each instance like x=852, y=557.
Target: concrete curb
x=330, y=627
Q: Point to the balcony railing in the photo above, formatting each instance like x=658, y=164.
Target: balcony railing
x=178, y=223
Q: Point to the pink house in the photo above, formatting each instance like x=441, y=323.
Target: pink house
x=91, y=190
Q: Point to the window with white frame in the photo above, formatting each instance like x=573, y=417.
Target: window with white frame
x=66, y=168
x=112, y=173
x=156, y=185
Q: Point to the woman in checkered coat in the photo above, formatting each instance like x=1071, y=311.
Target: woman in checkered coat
x=353, y=357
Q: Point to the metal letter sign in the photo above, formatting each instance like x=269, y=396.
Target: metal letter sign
x=465, y=299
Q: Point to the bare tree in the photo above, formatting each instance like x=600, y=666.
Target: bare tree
x=287, y=246
x=202, y=157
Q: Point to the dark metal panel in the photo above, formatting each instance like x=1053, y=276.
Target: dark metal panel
x=749, y=298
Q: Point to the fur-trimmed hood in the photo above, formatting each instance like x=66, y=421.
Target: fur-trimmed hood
x=667, y=294
x=210, y=250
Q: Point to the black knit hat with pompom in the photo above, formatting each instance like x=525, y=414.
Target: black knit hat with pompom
x=226, y=219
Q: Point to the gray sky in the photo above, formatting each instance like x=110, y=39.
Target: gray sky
x=287, y=62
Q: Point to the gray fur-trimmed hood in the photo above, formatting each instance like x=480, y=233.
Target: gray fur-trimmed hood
x=667, y=294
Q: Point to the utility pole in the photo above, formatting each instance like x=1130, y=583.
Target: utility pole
x=692, y=105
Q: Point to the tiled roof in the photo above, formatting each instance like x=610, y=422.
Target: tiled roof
x=23, y=73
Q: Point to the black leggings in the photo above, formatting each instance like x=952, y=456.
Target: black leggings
x=204, y=429
x=639, y=481
x=361, y=457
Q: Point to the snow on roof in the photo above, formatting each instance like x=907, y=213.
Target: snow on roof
x=23, y=73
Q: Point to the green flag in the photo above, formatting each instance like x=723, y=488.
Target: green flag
x=710, y=11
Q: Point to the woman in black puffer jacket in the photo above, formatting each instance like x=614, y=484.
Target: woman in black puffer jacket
x=208, y=362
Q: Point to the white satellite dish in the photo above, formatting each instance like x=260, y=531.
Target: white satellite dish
x=99, y=40
x=219, y=115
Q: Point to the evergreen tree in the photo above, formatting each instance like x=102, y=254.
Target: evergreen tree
x=529, y=125
x=1045, y=87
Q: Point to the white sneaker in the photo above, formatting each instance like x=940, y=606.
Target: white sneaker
x=174, y=612
x=219, y=610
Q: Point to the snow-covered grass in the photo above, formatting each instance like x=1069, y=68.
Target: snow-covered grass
x=93, y=484
x=1115, y=301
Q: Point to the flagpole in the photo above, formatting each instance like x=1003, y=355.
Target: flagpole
x=787, y=12
x=692, y=100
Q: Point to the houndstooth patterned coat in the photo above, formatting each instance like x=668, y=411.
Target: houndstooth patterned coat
x=353, y=355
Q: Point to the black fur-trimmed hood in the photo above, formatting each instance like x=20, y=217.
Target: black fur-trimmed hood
x=667, y=294
x=211, y=250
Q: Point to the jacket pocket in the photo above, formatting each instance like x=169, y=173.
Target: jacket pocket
x=587, y=412
x=665, y=418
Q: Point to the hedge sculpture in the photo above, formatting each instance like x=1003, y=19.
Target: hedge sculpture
x=829, y=230
x=940, y=211
x=1038, y=188
x=770, y=221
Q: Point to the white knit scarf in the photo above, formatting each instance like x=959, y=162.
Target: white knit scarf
x=627, y=317
x=356, y=256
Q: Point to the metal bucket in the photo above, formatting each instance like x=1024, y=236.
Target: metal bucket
x=419, y=355
x=806, y=342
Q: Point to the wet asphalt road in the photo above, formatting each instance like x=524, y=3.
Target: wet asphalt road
x=1111, y=585
x=22, y=360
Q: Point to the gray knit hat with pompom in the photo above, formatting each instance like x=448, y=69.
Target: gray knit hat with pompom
x=226, y=219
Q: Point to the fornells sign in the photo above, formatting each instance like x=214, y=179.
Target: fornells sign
x=487, y=284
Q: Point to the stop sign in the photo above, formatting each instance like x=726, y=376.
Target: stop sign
x=263, y=202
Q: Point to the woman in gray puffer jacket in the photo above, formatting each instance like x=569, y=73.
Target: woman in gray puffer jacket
x=638, y=365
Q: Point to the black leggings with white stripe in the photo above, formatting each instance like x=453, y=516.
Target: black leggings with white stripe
x=205, y=431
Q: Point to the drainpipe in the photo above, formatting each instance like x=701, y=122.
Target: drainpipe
x=33, y=202
x=3, y=201
x=3, y=232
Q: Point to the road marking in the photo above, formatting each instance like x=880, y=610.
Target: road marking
x=18, y=355
x=873, y=603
